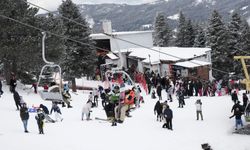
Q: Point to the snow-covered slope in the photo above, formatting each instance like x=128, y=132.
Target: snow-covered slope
x=140, y=132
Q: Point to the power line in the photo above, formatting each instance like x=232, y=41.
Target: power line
x=127, y=40
x=113, y=36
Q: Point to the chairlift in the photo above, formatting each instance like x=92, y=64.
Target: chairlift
x=54, y=93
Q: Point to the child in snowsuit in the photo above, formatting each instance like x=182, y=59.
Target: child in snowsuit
x=39, y=118
x=86, y=110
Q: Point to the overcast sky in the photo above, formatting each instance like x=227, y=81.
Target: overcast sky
x=53, y=4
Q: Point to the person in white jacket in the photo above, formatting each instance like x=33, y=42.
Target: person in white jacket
x=86, y=110
x=198, y=105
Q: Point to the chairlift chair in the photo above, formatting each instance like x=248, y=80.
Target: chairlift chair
x=54, y=93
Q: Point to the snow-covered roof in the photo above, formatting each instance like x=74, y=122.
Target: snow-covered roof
x=112, y=56
x=156, y=54
x=192, y=63
x=101, y=35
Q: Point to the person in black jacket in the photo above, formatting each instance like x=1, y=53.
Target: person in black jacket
x=39, y=118
x=234, y=97
x=24, y=114
x=158, y=91
x=158, y=110
x=1, y=91
x=12, y=83
x=245, y=100
x=46, y=113
x=168, y=115
x=17, y=99
x=237, y=114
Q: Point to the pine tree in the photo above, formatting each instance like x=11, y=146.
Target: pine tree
x=245, y=37
x=190, y=34
x=234, y=44
x=162, y=32
x=181, y=31
x=200, y=38
x=17, y=40
x=218, y=38
x=79, y=59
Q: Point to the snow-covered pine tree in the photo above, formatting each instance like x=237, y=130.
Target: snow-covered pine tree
x=218, y=39
x=79, y=58
x=190, y=34
x=17, y=41
x=245, y=37
x=181, y=31
x=200, y=38
x=162, y=33
x=234, y=44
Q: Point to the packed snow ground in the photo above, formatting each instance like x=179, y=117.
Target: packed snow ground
x=140, y=132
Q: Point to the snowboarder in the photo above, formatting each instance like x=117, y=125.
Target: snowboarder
x=17, y=99
x=56, y=111
x=39, y=118
x=24, y=114
x=237, y=114
x=86, y=110
x=198, y=105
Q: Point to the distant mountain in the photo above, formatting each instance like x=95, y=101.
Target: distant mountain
x=133, y=17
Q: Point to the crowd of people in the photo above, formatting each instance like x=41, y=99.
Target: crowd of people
x=119, y=97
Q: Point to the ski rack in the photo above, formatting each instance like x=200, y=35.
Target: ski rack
x=49, y=95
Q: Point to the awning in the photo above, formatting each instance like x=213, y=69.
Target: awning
x=192, y=63
x=112, y=56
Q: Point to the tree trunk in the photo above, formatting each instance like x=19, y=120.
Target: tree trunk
x=74, y=85
x=6, y=68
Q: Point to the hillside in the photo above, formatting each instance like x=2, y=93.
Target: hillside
x=132, y=17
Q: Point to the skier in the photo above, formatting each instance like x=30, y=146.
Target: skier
x=198, y=105
x=17, y=99
x=39, y=118
x=86, y=110
x=24, y=114
x=56, y=111
x=237, y=114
